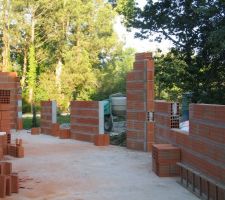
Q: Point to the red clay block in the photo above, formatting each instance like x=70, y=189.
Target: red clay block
x=2, y=186
x=82, y=136
x=164, y=159
x=35, y=131
x=19, y=142
x=8, y=138
x=5, y=168
x=16, y=151
x=20, y=152
x=55, y=129
x=134, y=144
x=19, y=124
x=102, y=140
x=8, y=185
x=64, y=134
x=1, y=153
x=14, y=183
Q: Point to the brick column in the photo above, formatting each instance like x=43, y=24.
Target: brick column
x=49, y=118
x=140, y=103
x=10, y=110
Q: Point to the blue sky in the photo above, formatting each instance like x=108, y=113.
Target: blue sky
x=139, y=45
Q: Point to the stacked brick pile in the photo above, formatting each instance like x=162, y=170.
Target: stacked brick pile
x=164, y=160
x=10, y=102
x=3, y=144
x=140, y=103
x=9, y=182
x=87, y=122
x=202, y=147
x=49, y=123
x=17, y=149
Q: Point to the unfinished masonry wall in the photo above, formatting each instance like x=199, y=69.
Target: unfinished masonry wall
x=203, y=148
x=10, y=102
x=140, y=103
x=48, y=122
x=87, y=120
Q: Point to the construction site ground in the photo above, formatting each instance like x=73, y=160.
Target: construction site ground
x=68, y=169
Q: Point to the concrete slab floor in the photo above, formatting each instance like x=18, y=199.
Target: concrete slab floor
x=67, y=169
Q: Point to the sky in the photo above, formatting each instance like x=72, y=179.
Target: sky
x=136, y=43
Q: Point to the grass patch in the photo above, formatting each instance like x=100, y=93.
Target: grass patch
x=27, y=120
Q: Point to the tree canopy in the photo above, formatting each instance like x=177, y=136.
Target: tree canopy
x=197, y=30
x=62, y=49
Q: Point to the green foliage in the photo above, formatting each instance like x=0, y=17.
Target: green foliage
x=65, y=50
x=169, y=73
x=61, y=119
x=196, y=29
x=27, y=122
x=32, y=74
x=112, y=78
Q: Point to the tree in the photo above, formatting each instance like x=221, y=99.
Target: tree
x=193, y=27
x=112, y=78
x=169, y=72
x=32, y=76
x=68, y=45
x=5, y=29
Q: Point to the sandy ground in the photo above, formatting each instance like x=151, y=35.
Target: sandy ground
x=67, y=169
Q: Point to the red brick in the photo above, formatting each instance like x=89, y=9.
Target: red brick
x=134, y=144
x=64, y=134
x=5, y=189
x=14, y=183
x=135, y=86
x=1, y=153
x=84, y=104
x=19, y=124
x=55, y=129
x=141, y=56
x=101, y=140
x=35, y=131
x=87, y=121
x=82, y=136
x=89, y=113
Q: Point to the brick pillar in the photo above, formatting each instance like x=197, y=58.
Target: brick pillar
x=10, y=110
x=49, y=118
x=140, y=103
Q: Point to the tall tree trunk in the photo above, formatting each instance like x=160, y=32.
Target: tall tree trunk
x=58, y=74
x=31, y=92
x=6, y=45
x=159, y=91
x=24, y=69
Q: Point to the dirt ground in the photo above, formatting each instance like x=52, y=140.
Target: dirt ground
x=72, y=170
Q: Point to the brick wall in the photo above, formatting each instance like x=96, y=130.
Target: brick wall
x=10, y=102
x=48, y=118
x=140, y=103
x=87, y=120
x=203, y=147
